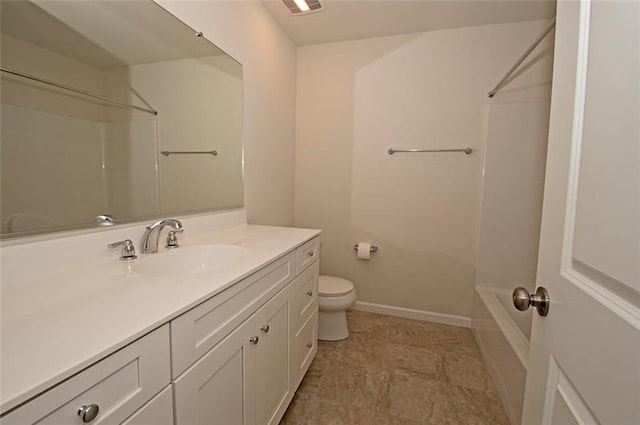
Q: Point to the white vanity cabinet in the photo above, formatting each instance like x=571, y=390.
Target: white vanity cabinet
x=234, y=359
x=249, y=374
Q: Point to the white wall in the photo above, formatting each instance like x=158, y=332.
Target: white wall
x=424, y=90
x=247, y=32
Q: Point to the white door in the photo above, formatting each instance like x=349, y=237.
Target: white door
x=584, y=365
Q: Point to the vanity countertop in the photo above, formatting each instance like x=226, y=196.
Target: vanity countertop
x=58, y=323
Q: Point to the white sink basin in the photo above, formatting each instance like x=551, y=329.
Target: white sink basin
x=190, y=260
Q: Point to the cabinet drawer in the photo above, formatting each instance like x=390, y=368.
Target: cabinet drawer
x=201, y=328
x=307, y=254
x=118, y=385
x=306, y=346
x=158, y=411
x=305, y=294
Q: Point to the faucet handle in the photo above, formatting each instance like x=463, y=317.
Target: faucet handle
x=172, y=239
x=127, y=252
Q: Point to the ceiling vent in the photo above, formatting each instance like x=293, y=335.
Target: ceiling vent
x=303, y=7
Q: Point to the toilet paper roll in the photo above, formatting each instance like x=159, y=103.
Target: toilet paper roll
x=364, y=250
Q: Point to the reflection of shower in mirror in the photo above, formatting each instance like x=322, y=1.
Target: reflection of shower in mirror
x=89, y=103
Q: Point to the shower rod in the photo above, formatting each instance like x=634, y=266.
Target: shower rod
x=522, y=57
x=76, y=90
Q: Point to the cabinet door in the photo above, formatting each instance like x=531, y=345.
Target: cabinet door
x=274, y=371
x=218, y=388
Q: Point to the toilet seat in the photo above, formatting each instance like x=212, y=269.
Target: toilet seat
x=331, y=286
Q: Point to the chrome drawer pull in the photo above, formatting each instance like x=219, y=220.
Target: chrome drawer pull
x=254, y=340
x=309, y=345
x=310, y=293
x=88, y=413
x=265, y=328
x=310, y=253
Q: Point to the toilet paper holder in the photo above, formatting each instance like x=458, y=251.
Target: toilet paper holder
x=374, y=248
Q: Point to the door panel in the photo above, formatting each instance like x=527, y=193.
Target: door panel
x=274, y=383
x=568, y=407
x=218, y=388
x=608, y=200
x=584, y=361
x=601, y=364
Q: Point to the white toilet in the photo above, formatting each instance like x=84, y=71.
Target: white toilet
x=335, y=296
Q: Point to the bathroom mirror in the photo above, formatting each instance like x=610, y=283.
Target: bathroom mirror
x=113, y=111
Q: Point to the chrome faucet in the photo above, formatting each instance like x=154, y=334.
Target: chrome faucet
x=149, y=243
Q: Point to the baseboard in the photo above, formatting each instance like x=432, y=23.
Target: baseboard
x=409, y=313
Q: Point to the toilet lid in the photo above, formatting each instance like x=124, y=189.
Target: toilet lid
x=331, y=286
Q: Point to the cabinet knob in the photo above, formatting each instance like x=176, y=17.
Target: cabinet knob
x=88, y=413
x=310, y=293
x=309, y=345
x=265, y=328
x=254, y=340
x=310, y=253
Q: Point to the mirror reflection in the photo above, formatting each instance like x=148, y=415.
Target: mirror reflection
x=113, y=111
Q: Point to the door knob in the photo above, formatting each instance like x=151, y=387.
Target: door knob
x=522, y=300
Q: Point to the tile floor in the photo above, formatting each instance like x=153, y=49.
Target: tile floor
x=393, y=371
